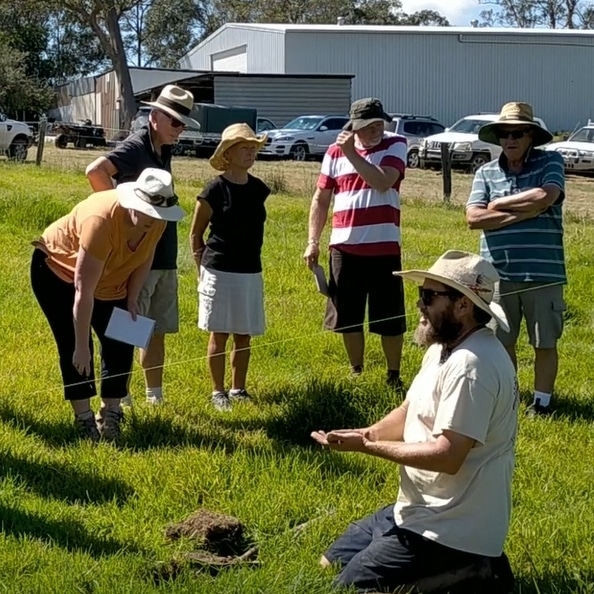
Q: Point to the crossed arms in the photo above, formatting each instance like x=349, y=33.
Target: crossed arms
x=511, y=209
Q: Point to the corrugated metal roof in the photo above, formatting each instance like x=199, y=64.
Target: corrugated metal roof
x=284, y=27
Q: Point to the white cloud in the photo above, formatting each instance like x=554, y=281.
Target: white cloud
x=458, y=12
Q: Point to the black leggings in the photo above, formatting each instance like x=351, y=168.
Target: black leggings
x=56, y=299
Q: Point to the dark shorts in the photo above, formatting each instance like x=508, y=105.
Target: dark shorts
x=376, y=555
x=357, y=282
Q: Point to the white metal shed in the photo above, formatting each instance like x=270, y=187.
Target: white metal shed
x=448, y=72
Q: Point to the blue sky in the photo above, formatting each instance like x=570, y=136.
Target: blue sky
x=458, y=12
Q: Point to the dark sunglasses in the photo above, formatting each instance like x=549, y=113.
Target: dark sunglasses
x=428, y=295
x=174, y=123
x=515, y=134
x=158, y=200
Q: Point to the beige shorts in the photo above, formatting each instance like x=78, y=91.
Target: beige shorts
x=541, y=304
x=159, y=301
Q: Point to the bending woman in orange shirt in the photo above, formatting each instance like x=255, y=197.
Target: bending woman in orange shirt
x=85, y=264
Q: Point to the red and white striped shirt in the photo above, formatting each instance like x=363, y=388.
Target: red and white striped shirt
x=365, y=221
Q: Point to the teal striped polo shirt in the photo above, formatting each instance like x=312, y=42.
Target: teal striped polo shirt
x=531, y=250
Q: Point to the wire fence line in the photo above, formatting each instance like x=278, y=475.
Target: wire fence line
x=294, y=338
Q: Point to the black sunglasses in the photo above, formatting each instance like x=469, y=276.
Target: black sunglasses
x=428, y=295
x=175, y=123
x=158, y=200
x=515, y=134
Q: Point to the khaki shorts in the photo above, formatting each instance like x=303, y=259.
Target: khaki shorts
x=541, y=304
x=158, y=300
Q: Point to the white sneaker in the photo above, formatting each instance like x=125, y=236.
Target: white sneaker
x=126, y=401
x=154, y=400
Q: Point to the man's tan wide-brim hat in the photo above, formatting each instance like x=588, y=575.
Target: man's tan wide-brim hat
x=234, y=134
x=469, y=274
x=176, y=102
x=515, y=114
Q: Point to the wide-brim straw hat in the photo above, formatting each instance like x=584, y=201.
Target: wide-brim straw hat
x=151, y=194
x=469, y=274
x=234, y=134
x=515, y=114
x=176, y=102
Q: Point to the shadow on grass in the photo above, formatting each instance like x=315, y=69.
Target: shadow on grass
x=318, y=405
x=141, y=431
x=568, y=407
x=565, y=406
x=145, y=432
x=64, y=482
x=66, y=533
x=558, y=583
x=54, y=433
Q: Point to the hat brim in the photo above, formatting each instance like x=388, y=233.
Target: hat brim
x=218, y=160
x=187, y=121
x=488, y=132
x=356, y=124
x=493, y=309
x=128, y=199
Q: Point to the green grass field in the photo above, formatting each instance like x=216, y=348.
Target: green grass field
x=82, y=519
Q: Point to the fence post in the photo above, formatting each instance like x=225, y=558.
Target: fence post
x=40, y=141
x=446, y=171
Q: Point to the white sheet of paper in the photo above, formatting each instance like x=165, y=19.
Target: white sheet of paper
x=122, y=327
x=320, y=278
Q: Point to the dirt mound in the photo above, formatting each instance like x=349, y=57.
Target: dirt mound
x=218, y=533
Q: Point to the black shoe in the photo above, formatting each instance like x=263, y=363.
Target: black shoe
x=536, y=410
x=503, y=575
x=394, y=381
x=356, y=370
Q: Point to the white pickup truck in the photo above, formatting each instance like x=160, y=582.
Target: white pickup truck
x=467, y=151
x=578, y=150
x=15, y=139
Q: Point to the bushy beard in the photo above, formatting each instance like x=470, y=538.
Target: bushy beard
x=443, y=330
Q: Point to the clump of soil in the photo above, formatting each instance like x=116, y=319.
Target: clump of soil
x=217, y=533
x=220, y=542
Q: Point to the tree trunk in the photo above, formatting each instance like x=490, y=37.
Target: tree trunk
x=120, y=64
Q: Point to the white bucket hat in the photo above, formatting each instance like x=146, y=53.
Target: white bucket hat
x=177, y=103
x=151, y=194
x=469, y=274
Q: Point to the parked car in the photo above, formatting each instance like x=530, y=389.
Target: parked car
x=264, y=125
x=467, y=151
x=80, y=135
x=304, y=137
x=578, y=150
x=414, y=128
x=15, y=139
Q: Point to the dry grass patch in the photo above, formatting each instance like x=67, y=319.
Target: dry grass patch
x=299, y=179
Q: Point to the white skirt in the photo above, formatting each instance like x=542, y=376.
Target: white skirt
x=230, y=302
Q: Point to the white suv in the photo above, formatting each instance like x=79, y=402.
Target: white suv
x=467, y=151
x=578, y=150
x=15, y=139
x=303, y=137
